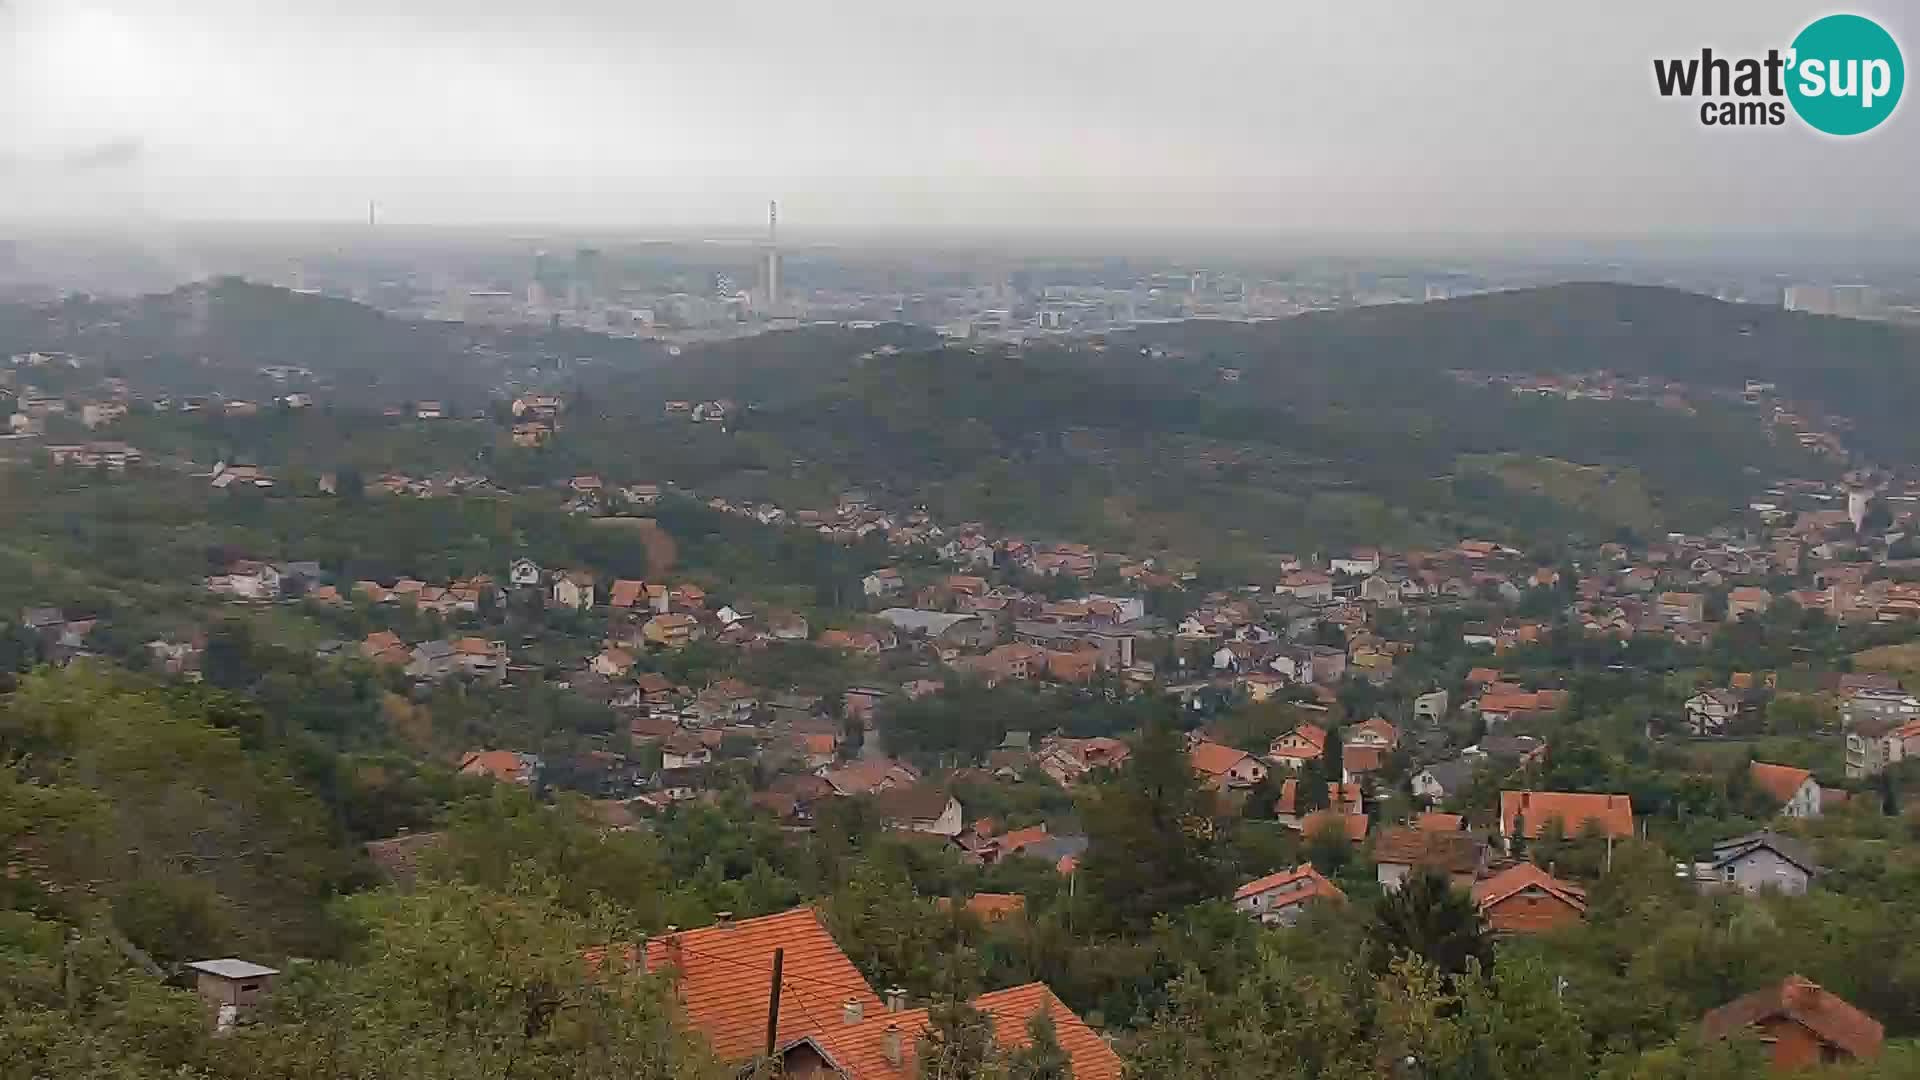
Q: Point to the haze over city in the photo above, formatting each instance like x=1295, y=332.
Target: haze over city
x=1469, y=122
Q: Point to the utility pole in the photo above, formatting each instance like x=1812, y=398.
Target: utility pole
x=773, y=1001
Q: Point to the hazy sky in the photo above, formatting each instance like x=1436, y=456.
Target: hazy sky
x=1475, y=117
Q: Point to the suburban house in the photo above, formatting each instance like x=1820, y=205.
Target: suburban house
x=1307, y=586
x=1872, y=745
x=524, y=573
x=1509, y=752
x=433, y=660
x=869, y=776
x=1682, y=607
x=1524, y=899
x=830, y=1023
x=506, y=766
x=481, y=658
x=1304, y=743
x=1498, y=707
x=1800, y=1024
x=1344, y=798
x=883, y=582
x=573, y=589
x=671, y=631
x=1795, y=790
x=1222, y=767
x=1747, y=600
x=920, y=808
x=1358, y=563
x=1764, y=861
x=1375, y=734
x=1710, y=711
x=684, y=750
x=1529, y=814
x=1398, y=852
x=1431, y=706
x=1281, y=898
x=1893, y=706
x=1444, y=779
x=612, y=663
x=1069, y=761
x=627, y=595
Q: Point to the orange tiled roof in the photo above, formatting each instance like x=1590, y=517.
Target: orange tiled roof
x=1360, y=759
x=498, y=764
x=627, y=593
x=1612, y=813
x=1311, y=734
x=1449, y=852
x=1214, y=758
x=1318, y=886
x=1355, y=824
x=1780, y=782
x=1434, y=822
x=1517, y=879
x=1348, y=794
x=1014, y=841
x=1807, y=1004
x=724, y=970
x=859, y=1050
x=990, y=906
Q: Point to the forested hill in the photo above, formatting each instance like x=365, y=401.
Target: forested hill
x=1869, y=371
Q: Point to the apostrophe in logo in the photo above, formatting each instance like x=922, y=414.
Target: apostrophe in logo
x=1846, y=74
x=1842, y=75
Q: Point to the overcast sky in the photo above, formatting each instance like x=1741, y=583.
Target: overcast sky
x=1477, y=117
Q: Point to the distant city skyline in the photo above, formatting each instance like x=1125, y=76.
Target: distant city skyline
x=1483, y=124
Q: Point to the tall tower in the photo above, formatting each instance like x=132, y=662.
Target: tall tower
x=773, y=256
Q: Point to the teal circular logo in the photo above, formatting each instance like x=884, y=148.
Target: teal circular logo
x=1846, y=74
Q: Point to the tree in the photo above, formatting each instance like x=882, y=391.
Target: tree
x=1043, y=1058
x=452, y=982
x=1429, y=918
x=1150, y=836
x=957, y=1044
x=1519, y=1024
x=1327, y=845
x=350, y=484
x=1878, y=518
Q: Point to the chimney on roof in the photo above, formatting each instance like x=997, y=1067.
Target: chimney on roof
x=890, y=1045
x=896, y=999
x=1799, y=993
x=850, y=1012
x=724, y=919
x=673, y=944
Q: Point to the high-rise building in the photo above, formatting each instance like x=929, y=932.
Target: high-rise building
x=772, y=282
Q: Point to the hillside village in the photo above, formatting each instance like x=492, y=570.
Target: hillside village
x=1498, y=715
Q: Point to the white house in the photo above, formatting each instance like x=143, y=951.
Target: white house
x=573, y=590
x=1797, y=792
x=1281, y=898
x=1710, y=711
x=524, y=573
x=921, y=808
x=1360, y=563
x=684, y=751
